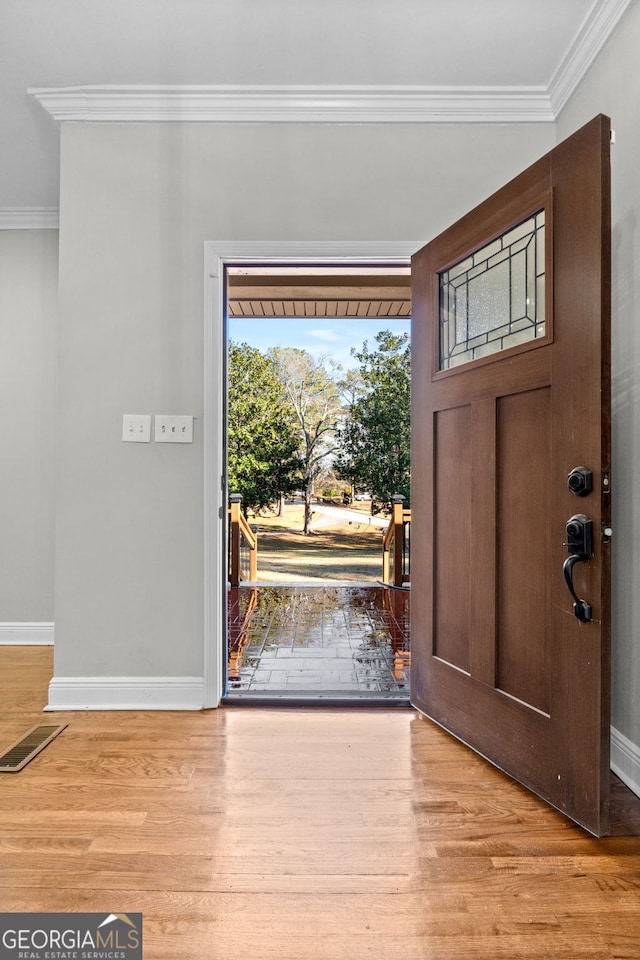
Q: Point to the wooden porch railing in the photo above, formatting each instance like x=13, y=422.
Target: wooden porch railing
x=395, y=545
x=243, y=545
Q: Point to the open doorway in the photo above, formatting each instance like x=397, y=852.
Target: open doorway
x=318, y=377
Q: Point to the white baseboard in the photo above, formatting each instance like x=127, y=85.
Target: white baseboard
x=625, y=760
x=26, y=634
x=126, y=693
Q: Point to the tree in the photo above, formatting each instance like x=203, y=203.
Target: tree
x=262, y=439
x=375, y=437
x=314, y=396
x=352, y=389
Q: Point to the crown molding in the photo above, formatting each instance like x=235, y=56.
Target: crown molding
x=594, y=32
x=29, y=218
x=296, y=104
x=341, y=104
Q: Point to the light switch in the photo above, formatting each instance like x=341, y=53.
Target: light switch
x=136, y=427
x=173, y=429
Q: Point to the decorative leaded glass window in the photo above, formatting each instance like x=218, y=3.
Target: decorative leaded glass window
x=494, y=299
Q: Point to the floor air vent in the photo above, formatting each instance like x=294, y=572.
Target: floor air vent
x=26, y=748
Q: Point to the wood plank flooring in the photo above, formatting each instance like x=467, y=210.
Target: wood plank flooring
x=299, y=835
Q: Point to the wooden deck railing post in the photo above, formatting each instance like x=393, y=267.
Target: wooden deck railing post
x=397, y=520
x=241, y=531
x=393, y=544
x=235, y=499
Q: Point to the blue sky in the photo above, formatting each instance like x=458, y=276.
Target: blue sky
x=326, y=336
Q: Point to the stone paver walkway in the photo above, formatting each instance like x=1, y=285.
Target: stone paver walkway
x=317, y=641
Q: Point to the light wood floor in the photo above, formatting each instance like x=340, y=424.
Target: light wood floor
x=246, y=833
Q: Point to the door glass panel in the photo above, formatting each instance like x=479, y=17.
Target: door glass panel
x=494, y=299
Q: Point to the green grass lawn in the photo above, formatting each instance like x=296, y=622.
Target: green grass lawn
x=350, y=552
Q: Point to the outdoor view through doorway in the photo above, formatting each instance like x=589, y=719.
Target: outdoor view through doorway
x=318, y=467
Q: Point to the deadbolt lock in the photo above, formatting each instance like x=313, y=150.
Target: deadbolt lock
x=580, y=481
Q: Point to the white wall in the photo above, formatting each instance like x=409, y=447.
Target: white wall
x=28, y=329
x=137, y=204
x=613, y=87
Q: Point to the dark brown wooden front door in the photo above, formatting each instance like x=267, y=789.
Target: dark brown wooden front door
x=511, y=392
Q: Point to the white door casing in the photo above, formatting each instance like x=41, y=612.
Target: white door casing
x=217, y=255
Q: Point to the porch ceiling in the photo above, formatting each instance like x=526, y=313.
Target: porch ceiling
x=313, y=294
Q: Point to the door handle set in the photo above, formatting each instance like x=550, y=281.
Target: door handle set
x=580, y=536
x=579, y=539
x=580, y=547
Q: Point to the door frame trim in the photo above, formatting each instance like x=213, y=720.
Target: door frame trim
x=217, y=255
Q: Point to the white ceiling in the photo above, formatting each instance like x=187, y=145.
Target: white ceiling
x=508, y=45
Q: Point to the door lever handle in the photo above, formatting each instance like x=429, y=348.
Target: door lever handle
x=580, y=547
x=581, y=609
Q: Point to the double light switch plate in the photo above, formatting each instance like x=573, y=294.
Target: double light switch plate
x=136, y=427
